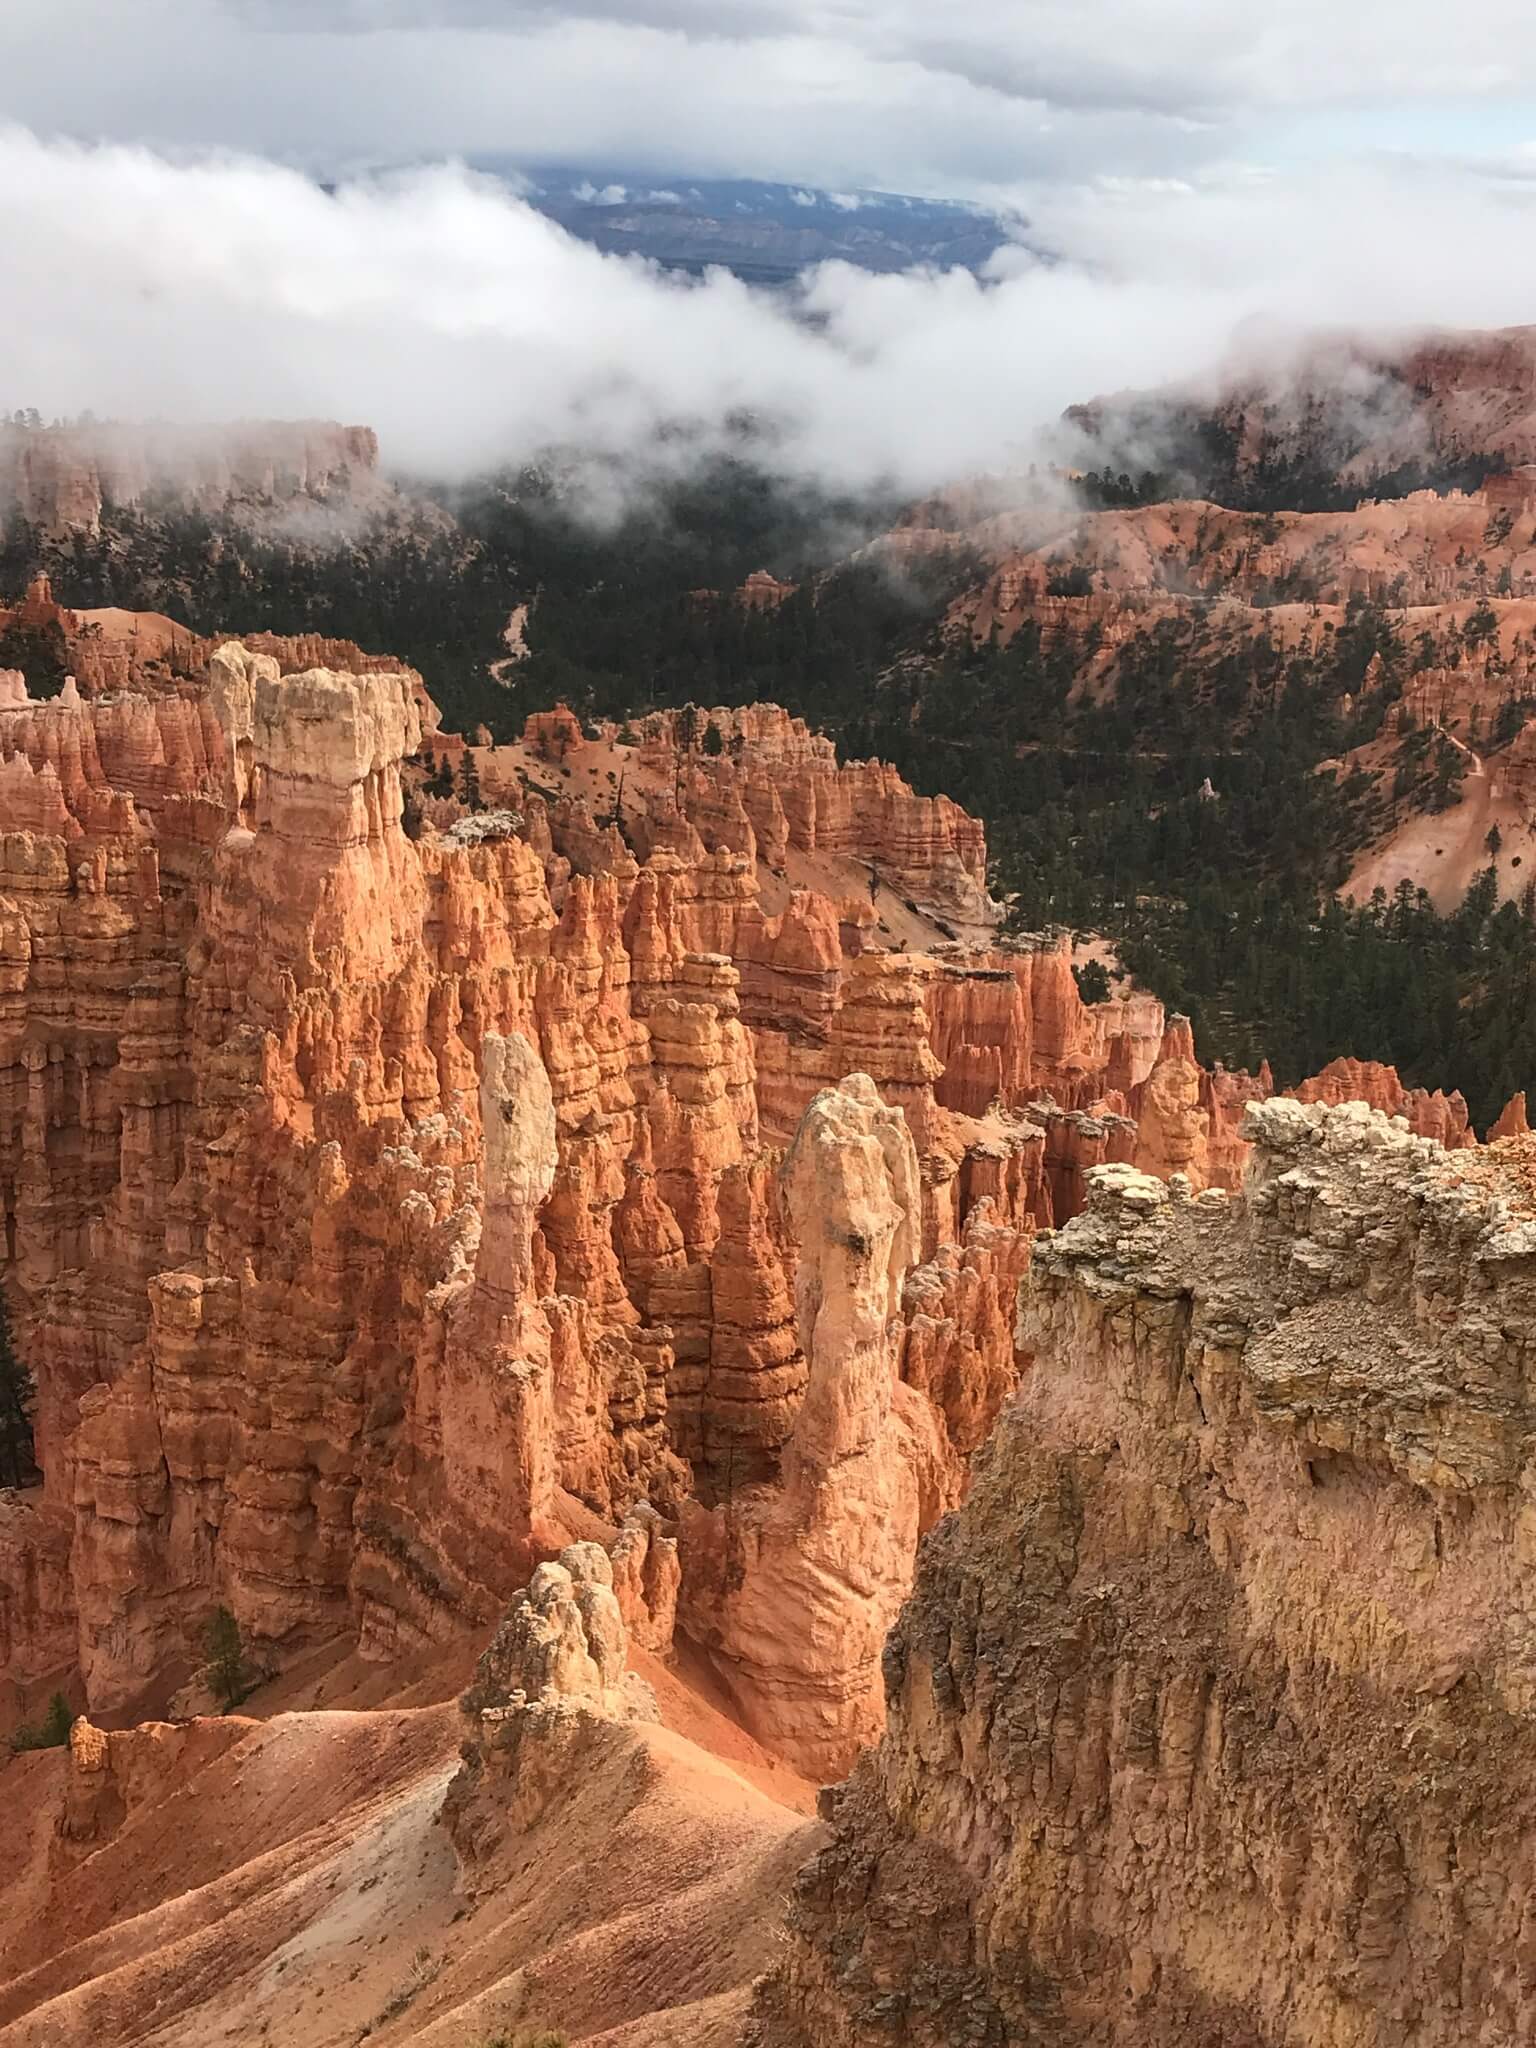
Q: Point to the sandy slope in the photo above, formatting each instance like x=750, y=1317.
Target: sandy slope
x=1442, y=851
x=286, y=1881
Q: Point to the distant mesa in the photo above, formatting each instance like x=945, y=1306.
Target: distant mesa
x=63, y=477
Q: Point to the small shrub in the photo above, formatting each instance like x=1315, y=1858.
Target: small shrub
x=424, y=1967
x=1092, y=978
x=52, y=1732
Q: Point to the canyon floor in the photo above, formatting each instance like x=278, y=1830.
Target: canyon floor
x=282, y=1875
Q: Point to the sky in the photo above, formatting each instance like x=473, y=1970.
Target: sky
x=974, y=97
x=1201, y=170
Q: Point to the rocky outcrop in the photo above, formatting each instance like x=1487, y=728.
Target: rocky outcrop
x=797, y=796
x=1173, y=1130
x=792, y=1588
x=1431, y=1114
x=377, y=1222
x=62, y=478
x=547, y=1693
x=112, y=1774
x=1210, y=1715
x=1512, y=1121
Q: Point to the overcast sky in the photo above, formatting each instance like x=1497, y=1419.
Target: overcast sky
x=1208, y=172
x=917, y=95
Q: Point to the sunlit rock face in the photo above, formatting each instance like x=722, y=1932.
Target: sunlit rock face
x=1234, y=1619
x=383, y=1215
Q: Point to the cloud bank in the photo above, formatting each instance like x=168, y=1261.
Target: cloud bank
x=962, y=99
x=468, y=329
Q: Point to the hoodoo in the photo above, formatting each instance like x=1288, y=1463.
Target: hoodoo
x=781, y=1293
x=1210, y=1714
x=389, y=1211
x=415, y=1208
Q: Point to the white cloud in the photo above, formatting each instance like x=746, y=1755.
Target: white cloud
x=1176, y=55
x=849, y=94
x=467, y=328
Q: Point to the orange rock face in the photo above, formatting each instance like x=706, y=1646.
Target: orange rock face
x=384, y=1214
x=381, y=1218
x=1431, y=1115
x=63, y=478
x=1150, y=1645
x=794, y=795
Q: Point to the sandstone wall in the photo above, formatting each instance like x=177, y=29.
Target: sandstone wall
x=1210, y=1718
x=63, y=478
x=380, y=1218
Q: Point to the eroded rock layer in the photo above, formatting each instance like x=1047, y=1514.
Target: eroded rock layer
x=384, y=1213
x=1211, y=1715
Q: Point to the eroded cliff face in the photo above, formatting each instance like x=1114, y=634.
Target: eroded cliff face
x=1210, y=1717
x=773, y=787
x=792, y=1588
x=62, y=478
x=383, y=1214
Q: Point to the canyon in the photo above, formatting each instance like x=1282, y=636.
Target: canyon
x=381, y=1209
x=705, y=1373
x=1207, y=1710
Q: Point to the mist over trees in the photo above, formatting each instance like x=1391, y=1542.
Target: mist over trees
x=1094, y=806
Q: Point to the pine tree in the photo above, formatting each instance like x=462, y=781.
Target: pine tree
x=226, y=1672
x=52, y=1732
x=17, y=1463
x=1092, y=978
x=469, y=782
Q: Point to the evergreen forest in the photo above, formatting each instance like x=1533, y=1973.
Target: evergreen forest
x=1181, y=812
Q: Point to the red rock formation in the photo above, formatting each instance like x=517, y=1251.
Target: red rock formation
x=763, y=592
x=792, y=1589
x=1229, y=1622
x=552, y=734
x=375, y=1225
x=62, y=478
x=797, y=797
x=383, y=1213
x=1512, y=1120
x=1431, y=1115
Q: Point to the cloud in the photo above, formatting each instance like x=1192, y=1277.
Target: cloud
x=467, y=328
x=1177, y=56
x=847, y=94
